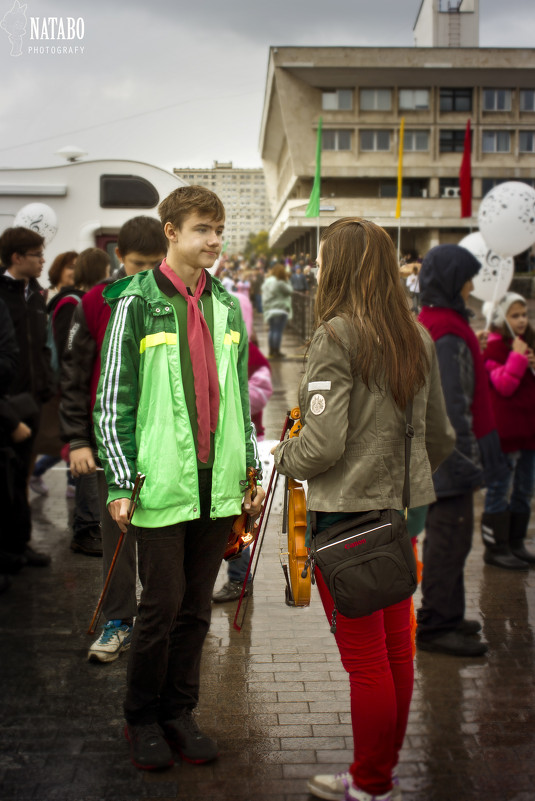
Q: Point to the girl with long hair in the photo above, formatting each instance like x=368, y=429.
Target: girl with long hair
x=367, y=359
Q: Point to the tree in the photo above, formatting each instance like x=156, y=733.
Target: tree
x=258, y=245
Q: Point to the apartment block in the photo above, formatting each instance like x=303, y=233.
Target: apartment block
x=243, y=192
x=361, y=94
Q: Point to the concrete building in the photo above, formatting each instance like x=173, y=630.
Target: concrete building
x=362, y=93
x=243, y=192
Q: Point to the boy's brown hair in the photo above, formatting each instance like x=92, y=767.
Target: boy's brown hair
x=188, y=200
x=91, y=267
x=18, y=240
x=141, y=235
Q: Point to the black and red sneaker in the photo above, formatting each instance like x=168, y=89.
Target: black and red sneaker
x=184, y=736
x=148, y=748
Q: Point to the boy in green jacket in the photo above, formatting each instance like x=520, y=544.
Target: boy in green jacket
x=173, y=404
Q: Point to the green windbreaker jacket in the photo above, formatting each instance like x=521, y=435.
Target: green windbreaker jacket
x=141, y=419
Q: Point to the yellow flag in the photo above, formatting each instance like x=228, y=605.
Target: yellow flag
x=400, y=167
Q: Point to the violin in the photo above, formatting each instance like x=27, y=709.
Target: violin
x=294, y=527
x=242, y=532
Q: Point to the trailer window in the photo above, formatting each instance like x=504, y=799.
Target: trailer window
x=127, y=192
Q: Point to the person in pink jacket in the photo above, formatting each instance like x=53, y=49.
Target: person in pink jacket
x=510, y=363
x=260, y=391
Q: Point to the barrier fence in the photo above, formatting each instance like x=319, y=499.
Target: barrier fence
x=302, y=322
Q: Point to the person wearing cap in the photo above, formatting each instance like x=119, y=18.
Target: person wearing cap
x=510, y=363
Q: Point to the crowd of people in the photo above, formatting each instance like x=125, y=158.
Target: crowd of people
x=156, y=370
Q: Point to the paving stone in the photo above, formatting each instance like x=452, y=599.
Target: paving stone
x=274, y=696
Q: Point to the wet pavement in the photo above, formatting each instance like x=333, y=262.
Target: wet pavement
x=274, y=696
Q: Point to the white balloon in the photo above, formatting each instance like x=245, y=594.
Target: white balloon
x=496, y=273
x=39, y=218
x=507, y=218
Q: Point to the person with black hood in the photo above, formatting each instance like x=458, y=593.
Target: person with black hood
x=445, y=284
x=21, y=254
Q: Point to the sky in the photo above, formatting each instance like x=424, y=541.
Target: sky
x=176, y=83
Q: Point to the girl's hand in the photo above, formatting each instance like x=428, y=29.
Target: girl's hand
x=482, y=337
x=519, y=346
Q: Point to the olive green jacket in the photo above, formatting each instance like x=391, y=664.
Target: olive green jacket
x=352, y=444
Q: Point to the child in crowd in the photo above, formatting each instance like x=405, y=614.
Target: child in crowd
x=446, y=282
x=510, y=364
x=413, y=286
x=173, y=404
x=260, y=391
x=92, y=266
x=141, y=245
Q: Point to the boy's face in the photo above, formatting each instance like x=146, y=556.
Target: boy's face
x=466, y=289
x=197, y=244
x=28, y=265
x=135, y=262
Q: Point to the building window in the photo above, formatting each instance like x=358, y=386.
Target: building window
x=127, y=192
x=410, y=188
x=375, y=99
x=451, y=141
x=416, y=140
x=489, y=183
x=413, y=99
x=497, y=100
x=337, y=99
x=527, y=100
x=332, y=139
x=496, y=142
x=456, y=100
x=375, y=140
x=526, y=142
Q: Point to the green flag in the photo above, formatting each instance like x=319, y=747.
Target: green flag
x=313, y=208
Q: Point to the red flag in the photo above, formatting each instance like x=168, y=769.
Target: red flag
x=465, y=174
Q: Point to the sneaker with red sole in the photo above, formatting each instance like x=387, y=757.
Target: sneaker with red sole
x=148, y=748
x=184, y=736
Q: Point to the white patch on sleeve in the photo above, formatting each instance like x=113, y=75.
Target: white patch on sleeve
x=316, y=386
x=317, y=404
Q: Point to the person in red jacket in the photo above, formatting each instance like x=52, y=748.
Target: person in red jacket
x=510, y=364
x=141, y=245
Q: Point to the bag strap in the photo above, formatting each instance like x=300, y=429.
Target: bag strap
x=409, y=434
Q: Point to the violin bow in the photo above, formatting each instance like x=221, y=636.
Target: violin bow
x=262, y=525
x=134, y=500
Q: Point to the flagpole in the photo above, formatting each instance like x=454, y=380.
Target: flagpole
x=313, y=207
x=400, y=183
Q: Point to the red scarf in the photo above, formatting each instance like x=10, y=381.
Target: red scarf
x=201, y=348
x=440, y=321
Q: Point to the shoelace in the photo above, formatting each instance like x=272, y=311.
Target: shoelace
x=149, y=732
x=189, y=723
x=108, y=632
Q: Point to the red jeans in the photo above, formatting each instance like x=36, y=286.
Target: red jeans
x=376, y=652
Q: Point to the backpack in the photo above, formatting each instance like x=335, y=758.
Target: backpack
x=51, y=341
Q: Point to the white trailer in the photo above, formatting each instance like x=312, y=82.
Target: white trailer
x=90, y=200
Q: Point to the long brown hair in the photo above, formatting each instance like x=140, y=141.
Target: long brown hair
x=360, y=282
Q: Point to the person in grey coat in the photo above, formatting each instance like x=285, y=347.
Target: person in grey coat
x=277, y=306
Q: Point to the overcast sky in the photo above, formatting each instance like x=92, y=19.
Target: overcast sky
x=179, y=83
